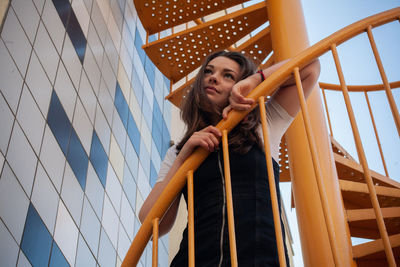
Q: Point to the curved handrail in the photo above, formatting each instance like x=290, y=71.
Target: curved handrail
x=358, y=88
x=176, y=184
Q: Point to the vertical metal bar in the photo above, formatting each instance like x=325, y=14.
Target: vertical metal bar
x=327, y=112
x=317, y=169
x=392, y=103
x=272, y=188
x=155, y=242
x=376, y=133
x=363, y=161
x=147, y=37
x=170, y=86
x=229, y=202
x=190, y=218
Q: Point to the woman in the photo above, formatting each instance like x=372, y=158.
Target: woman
x=222, y=83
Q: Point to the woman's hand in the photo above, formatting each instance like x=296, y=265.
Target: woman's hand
x=237, y=98
x=208, y=138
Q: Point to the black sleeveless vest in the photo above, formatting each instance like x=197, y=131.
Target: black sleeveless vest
x=254, y=226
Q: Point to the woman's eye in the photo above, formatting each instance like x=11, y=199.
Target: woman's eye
x=207, y=71
x=230, y=76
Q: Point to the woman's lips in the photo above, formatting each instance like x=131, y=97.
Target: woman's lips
x=211, y=89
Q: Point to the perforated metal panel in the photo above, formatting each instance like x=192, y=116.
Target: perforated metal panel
x=179, y=54
x=159, y=15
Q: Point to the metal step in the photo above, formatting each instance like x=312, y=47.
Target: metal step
x=348, y=169
x=362, y=222
x=372, y=253
x=356, y=195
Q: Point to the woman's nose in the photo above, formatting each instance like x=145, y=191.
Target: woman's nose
x=213, y=78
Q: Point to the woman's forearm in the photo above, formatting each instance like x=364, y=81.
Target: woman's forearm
x=168, y=219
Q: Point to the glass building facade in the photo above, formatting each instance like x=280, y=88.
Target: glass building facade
x=84, y=127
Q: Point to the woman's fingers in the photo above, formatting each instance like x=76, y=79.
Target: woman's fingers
x=238, y=101
x=208, y=138
x=212, y=129
x=226, y=111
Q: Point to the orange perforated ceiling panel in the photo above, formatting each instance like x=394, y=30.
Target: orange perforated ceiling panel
x=179, y=54
x=159, y=15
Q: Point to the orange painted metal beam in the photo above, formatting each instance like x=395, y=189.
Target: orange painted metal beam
x=359, y=88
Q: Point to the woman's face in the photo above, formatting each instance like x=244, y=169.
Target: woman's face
x=220, y=74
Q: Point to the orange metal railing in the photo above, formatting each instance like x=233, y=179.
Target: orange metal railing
x=360, y=89
x=185, y=172
x=362, y=157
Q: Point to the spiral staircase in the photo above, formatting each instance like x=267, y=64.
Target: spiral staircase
x=183, y=33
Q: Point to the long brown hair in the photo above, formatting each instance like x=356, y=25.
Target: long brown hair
x=199, y=112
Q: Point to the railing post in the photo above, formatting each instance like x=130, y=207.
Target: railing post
x=289, y=37
x=376, y=133
x=229, y=201
x=327, y=112
x=272, y=186
x=155, y=242
x=317, y=169
x=392, y=103
x=190, y=207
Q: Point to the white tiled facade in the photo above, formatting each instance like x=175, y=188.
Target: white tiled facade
x=84, y=128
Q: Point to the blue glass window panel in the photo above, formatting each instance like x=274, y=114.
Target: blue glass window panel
x=138, y=45
x=157, y=115
x=145, y=159
x=36, y=240
x=58, y=122
x=99, y=159
x=129, y=185
x=147, y=112
x=165, y=132
x=57, y=259
x=166, y=139
x=157, y=137
x=137, y=87
x=153, y=37
x=76, y=35
x=77, y=159
x=63, y=8
x=164, y=149
x=121, y=105
x=133, y=133
x=167, y=112
x=166, y=81
x=121, y=4
x=149, y=69
x=153, y=175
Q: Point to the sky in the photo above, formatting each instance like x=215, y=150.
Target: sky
x=323, y=18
